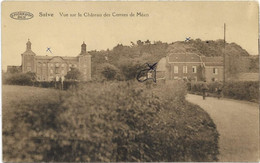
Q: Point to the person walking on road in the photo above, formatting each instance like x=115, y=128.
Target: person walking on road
x=204, y=89
x=219, y=91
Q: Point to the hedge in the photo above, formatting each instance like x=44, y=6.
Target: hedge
x=241, y=90
x=108, y=122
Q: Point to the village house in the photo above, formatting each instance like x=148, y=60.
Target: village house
x=49, y=68
x=190, y=66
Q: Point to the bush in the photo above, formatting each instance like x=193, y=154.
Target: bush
x=248, y=90
x=113, y=122
x=108, y=72
x=19, y=78
x=241, y=90
x=73, y=74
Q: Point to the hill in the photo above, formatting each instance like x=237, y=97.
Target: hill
x=128, y=59
x=208, y=48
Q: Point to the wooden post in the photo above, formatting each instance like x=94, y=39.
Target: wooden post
x=224, y=56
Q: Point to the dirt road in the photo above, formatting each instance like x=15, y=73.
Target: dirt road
x=238, y=125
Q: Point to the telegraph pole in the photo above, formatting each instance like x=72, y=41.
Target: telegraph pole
x=224, y=56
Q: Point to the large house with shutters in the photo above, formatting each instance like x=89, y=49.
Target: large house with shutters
x=189, y=66
x=50, y=68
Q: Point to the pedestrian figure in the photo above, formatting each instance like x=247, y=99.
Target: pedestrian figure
x=204, y=89
x=219, y=91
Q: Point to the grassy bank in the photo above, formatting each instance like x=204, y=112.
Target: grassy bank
x=106, y=122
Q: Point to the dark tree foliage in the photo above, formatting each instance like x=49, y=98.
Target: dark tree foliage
x=73, y=74
x=110, y=72
x=19, y=78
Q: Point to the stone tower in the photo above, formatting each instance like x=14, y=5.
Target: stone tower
x=85, y=63
x=28, y=59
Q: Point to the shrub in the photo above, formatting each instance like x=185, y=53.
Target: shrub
x=19, y=78
x=113, y=122
x=241, y=90
x=108, y=72
x=73, y=74
x=246, y=90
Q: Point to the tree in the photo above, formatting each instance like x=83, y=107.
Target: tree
x=73, y=74
x=139, y=43
x=20, y=78
x=108, y=71
x=147, y=42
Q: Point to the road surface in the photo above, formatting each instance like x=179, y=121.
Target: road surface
x=238, y=125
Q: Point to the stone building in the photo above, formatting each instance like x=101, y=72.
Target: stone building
x=50, y=68
x=189, y=66
x=213, y=68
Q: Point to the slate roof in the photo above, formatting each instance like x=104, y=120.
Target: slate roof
x=212, y=61
x=184, y=57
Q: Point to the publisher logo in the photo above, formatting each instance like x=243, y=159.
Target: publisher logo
x=21, y=15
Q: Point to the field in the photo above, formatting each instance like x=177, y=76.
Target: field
x=105, y=122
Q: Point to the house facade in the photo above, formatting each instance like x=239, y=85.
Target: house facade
x=50, y=68
x=213, y=68
x=189, y=66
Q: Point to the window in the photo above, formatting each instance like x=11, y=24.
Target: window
x=62, y=72
x=185, y=69
x=51, y=71
x=175, y=69
x=56, y=70
x=215, y=71
x=194, y=69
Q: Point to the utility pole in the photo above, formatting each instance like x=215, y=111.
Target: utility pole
x=224, y=56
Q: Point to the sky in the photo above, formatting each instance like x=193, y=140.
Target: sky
x=167, y=22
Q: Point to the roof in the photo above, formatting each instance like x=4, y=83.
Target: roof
x=184, y=57
x=29, y=52
x=161, y=65
x=212, y=61
x=51, y=57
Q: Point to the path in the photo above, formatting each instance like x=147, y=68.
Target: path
x=238, y=125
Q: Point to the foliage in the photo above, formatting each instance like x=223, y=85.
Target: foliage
x=243, y=90
x=19, y=78
x=14, y=69
x=73, y=74
x=111, y=122
x=109, y=72
x=128, y=58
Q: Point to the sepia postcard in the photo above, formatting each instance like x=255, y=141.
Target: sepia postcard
x=130, y=81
